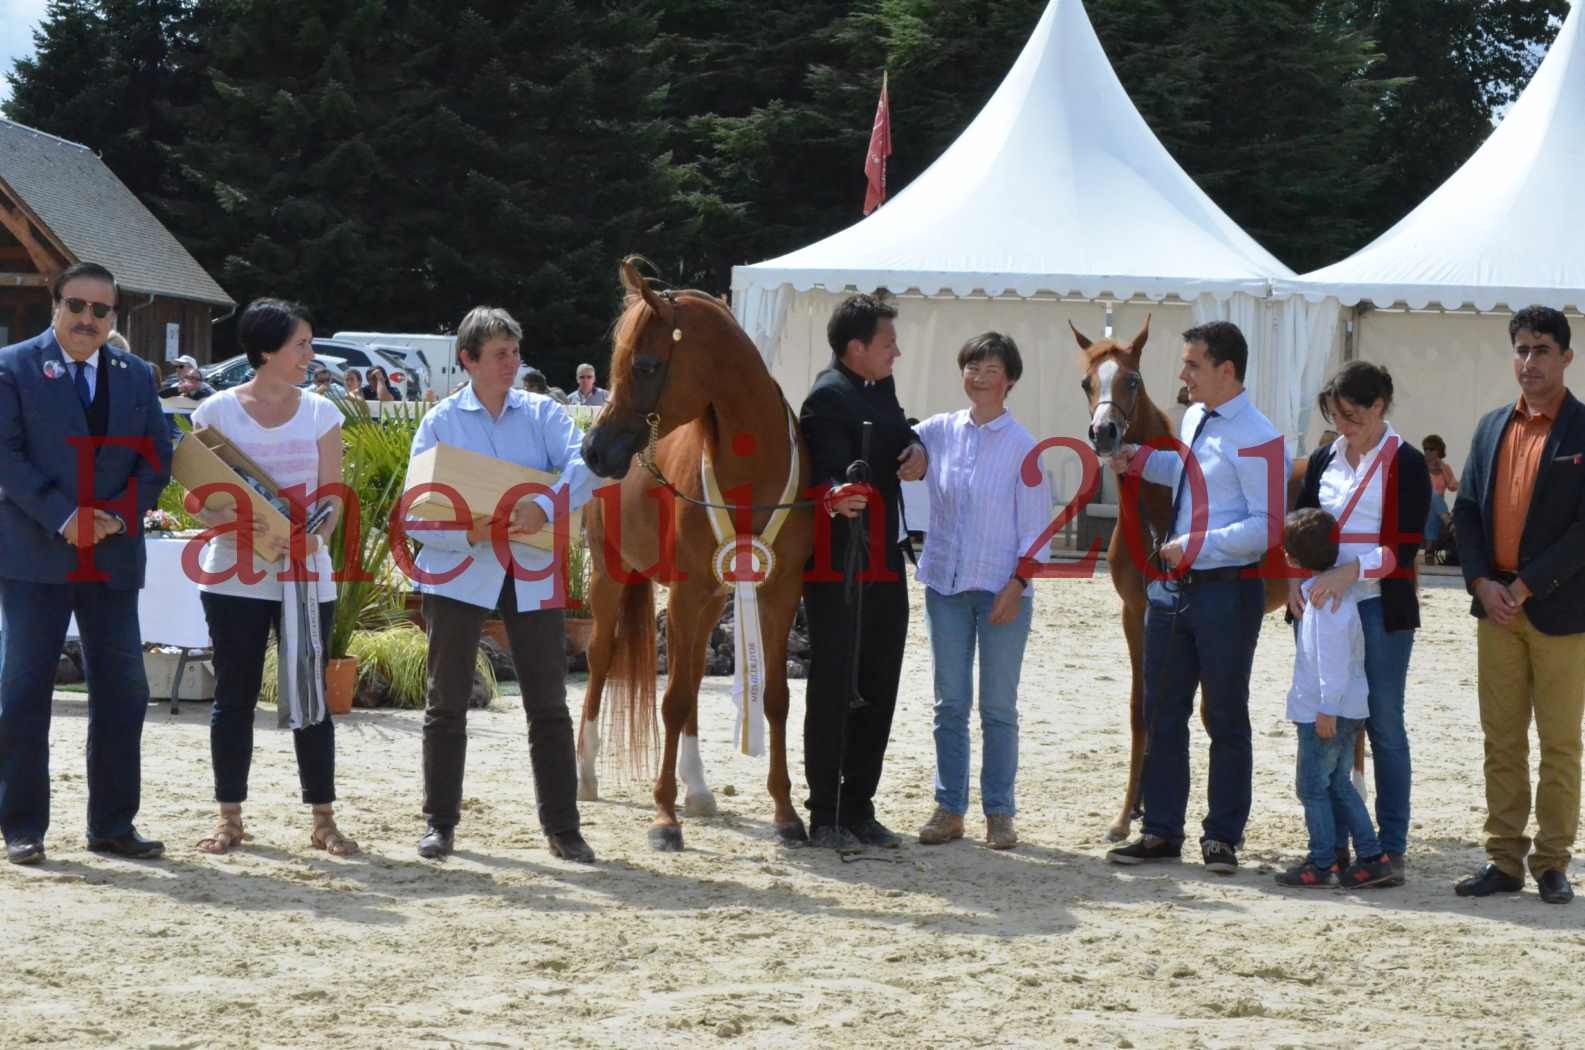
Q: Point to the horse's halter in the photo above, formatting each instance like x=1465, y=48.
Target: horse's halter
x=1136, y=385
x=649, y=374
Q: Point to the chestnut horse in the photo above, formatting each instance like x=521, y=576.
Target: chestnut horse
x=1123, y=414
x=685, y=381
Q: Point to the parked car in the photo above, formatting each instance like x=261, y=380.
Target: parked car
x=435, y=354
x=404, y=379
x=234, y=371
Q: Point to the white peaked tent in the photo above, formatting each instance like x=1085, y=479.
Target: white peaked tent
x=1057, y=203
x=1432, y=296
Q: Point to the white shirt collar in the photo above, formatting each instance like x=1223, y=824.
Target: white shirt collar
x=1340, y=446
x=93, y=358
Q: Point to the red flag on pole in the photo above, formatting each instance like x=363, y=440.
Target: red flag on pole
x=880, y=149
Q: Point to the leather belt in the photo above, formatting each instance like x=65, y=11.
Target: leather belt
x=1225, y=574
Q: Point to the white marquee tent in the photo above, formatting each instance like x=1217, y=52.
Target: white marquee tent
x=1057, y=203
x=1431, y=297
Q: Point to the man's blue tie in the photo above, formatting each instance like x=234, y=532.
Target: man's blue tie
x=1183, y=478
x=82, y=384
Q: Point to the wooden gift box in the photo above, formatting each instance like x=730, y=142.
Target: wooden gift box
x=206, y=457
x=480, y=481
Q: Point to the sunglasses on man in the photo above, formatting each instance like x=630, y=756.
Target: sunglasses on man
x=100, y=310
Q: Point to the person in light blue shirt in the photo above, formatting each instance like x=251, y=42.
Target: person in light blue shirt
x=1202, y=624
x=463, y=578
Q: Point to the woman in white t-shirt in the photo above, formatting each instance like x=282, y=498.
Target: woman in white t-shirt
x=294, y=435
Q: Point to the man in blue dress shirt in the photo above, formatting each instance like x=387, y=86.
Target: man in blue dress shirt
x=463, y=578
x=1201, y=628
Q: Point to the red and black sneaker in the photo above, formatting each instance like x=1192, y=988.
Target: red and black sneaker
x=1308, y=876
x=1376, y=871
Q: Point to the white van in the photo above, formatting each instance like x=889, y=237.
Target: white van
x=436, y=353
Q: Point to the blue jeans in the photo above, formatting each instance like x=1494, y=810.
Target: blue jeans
x=1333, y=810
x=36, y=616
x=1433, y=521
x=1201, y=637
x=954, y=621
x=1387, y=673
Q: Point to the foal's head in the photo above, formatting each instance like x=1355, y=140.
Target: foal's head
x=1115, y=389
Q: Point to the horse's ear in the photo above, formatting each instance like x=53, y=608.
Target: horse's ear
x=1084, y=340
x=1142, y=338
x=638, y=288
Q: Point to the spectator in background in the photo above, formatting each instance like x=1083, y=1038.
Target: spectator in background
x=322, y=385
x=189, y=381
x=534, y=382
x=559, y=395
x=352, y=379
x=378, y=388
x=1443, y=481
x=587, y=393
x=119, y=341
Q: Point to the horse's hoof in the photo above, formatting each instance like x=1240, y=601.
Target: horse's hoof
x=1118, y=832
x=665, y=838
x=588, y=790
x=792, y=833
x=700, y=805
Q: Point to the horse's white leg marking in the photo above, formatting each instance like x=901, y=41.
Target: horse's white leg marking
x=588, y=755
x=699, y=800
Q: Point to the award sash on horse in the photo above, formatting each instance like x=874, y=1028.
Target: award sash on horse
x=748, y=665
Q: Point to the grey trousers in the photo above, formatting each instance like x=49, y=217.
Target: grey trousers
x=537, y=643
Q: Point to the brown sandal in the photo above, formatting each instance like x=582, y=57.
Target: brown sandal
x=328, y=837
x=228, y=834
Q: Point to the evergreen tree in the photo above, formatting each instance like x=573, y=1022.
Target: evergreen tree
x=1458, y=64
x=394, y=164
x=111, y=74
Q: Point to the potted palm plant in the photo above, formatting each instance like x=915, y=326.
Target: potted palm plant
x=374, y=467
x=579, y=618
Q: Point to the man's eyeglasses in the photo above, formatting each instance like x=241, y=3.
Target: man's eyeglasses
x=101, y=310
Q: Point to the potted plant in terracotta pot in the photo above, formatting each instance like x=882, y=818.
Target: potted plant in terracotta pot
x=374, y=467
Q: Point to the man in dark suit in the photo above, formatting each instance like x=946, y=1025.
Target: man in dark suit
x=1520, y=524
x=856, y=388
x=84, y=453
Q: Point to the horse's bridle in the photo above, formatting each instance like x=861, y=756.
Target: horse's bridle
x=648, y=370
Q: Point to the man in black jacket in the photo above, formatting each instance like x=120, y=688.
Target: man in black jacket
x=858, y=387
x=1520, y=522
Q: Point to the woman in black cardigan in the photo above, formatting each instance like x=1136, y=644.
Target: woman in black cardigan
x=1378, y=488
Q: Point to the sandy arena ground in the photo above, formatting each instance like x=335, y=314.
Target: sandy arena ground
x=740, y=942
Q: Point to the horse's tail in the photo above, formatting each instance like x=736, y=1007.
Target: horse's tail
x=631, y=682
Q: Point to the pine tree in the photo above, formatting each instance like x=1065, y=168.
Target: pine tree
x=112, y=75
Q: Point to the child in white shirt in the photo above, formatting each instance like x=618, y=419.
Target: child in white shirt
x=1328, y=704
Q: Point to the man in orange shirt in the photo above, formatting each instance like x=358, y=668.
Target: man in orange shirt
x=1520, y=525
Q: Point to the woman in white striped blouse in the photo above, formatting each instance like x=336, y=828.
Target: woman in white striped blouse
x=984, y=523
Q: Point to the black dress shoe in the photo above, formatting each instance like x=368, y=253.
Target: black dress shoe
x=436, y=843
x=1555, y=888
x=569, y=845
x=1491, y=879
x=25, y=851
x=833, y=836
x=872, y=832
x=131, y=845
